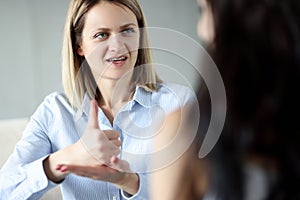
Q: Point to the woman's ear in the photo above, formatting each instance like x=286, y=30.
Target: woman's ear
x=79, y=51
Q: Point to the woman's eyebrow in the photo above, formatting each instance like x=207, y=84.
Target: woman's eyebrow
x=127, y=25
x=102, y=29
x=108, y=29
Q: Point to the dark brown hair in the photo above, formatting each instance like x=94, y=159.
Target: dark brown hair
x=257, y=50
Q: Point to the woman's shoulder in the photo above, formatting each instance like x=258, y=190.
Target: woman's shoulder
x=56, y=98
x=56, y=95
x=174, y=93
x=179, y=90
x=174, y=86
x=53, y=106
x=55, y=102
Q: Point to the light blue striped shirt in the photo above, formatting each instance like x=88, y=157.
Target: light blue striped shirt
x=55, y=125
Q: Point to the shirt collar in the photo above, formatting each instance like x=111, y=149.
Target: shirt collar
x=85, y=108
x=142, y=96
x=86, y=104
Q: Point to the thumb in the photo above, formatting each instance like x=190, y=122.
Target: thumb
x=120, y=165
x=93, y=115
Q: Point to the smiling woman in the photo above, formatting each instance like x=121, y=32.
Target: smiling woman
x=90, y=139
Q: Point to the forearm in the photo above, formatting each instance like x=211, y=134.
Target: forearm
x=52, y=174
x=51, y=163
x=17, y=180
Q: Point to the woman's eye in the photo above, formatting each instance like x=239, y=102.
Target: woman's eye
x=128, y=31
x=101, y=35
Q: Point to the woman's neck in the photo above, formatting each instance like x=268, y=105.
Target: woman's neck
x=114, y=94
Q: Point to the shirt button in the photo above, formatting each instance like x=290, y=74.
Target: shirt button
x=114, y=197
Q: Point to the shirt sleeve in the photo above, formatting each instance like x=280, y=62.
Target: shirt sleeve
x=142, y=193
x=23, y=176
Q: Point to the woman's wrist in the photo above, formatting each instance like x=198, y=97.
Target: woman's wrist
x=130, y=183
x=52, y=161
x=52, y=174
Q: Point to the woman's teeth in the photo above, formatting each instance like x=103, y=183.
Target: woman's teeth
x=117, y=59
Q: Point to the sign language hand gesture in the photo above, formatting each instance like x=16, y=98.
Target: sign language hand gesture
x=96, y=155
x=99, y=145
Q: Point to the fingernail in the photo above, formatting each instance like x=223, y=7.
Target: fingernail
x=114, y=159
x=64, y=169
x=58, y=167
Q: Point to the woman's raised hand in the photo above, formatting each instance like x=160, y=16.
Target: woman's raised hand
x=95, y=154
x=98, y=146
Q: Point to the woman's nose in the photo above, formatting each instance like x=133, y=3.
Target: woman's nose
x=115, y=43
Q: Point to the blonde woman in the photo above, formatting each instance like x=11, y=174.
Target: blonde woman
x=91, y=139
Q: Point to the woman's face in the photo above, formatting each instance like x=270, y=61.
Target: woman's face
x=110, y=40
x=205, y=22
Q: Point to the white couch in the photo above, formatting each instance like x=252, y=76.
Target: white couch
x=10, y=132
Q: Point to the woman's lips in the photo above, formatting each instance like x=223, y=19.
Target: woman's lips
x=117, y=61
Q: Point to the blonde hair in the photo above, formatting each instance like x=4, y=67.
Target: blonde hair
x=76, y=75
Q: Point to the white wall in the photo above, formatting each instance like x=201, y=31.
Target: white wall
x=181, y=17
x=31, y=37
